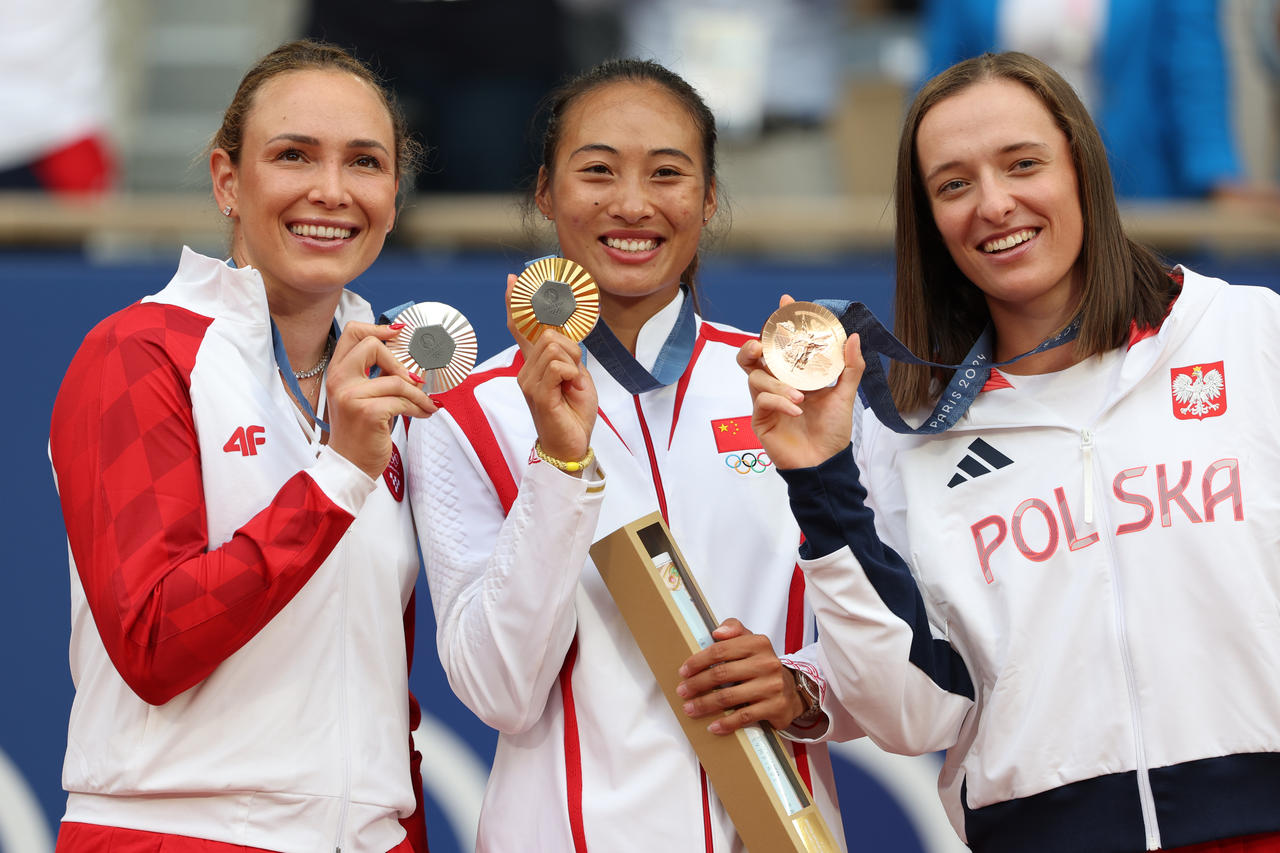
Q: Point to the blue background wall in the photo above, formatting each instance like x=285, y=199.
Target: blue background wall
x=54, y=299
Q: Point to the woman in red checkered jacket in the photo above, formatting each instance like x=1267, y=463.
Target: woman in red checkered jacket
x=243, y=559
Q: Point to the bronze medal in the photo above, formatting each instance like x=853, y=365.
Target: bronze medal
x=437, y=343
x=555, y=293
x=804, y=346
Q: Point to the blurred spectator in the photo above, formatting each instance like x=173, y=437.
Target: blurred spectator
x=53, y=96
x=756, y=62
x=469, y=73
x=1152, y=72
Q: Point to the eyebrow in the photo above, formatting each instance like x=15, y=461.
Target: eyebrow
x=655, y=152
x=1008, y=149
x=303, y=139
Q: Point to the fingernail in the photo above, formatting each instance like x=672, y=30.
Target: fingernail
x=684, y=672
x=688, y=708
x=395, y=327
x=680, y=690
x=714, y=728
x=796, y=396
x=416, y=378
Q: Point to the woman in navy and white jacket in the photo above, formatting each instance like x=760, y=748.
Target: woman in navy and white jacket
x=242, y=573
x=590, y=756
x=1075, y=590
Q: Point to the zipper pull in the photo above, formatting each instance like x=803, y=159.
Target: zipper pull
x=1086, y=445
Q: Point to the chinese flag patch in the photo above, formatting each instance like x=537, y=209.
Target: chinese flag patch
x=735, y=434
x=1199, y=391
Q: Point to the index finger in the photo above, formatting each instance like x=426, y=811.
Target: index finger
x=353, y=359
x=353, y=333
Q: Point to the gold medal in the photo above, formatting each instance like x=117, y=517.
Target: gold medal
x=804, y=346
x=436, y=343
x=555, y=293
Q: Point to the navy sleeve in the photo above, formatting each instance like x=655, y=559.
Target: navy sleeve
x=829, y=503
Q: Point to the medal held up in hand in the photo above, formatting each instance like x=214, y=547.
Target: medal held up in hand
x=437, y=343
x=804, y=345
x=555, y=293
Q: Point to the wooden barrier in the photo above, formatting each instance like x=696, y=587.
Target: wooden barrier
x=784, y=224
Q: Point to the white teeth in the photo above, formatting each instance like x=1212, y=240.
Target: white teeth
x=322, y=232
x=1009, y=242
x=631, y=245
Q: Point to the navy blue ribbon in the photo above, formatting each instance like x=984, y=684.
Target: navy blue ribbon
x=961, y=391
x=672, y=359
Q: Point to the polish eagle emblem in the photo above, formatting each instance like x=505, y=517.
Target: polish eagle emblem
x=1199, y=391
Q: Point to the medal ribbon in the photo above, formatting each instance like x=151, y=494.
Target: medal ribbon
x=672, y=359
x=961, y=391
x=282, y=361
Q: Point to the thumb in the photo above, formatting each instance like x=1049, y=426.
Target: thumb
x=854, y=365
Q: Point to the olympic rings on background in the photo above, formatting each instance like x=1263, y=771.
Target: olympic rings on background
x=748, y=462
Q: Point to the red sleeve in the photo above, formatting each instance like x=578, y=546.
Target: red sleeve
x=415, y=824
x=125, y=452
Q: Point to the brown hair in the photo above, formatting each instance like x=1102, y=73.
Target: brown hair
x=641, y=72
x=309, y=55
x=938, y=313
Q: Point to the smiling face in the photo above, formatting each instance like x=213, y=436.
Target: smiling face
x=628, y=192
x=313, y=195
x=998, y=174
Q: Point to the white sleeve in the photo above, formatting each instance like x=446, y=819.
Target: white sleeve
x=888, y=666
x=502, y=588
x=840, y=725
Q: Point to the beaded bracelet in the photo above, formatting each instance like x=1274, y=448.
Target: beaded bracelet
x=571, y=467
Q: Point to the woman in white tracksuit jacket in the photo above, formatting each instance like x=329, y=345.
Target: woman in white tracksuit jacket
x=1075, y=590
x=590, y=756
x=242, y=575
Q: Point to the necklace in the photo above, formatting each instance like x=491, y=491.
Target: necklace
x=307, y=374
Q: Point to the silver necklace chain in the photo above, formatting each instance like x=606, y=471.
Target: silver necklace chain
x=307, y=374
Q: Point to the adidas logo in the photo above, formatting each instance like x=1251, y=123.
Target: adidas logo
x=971, y=466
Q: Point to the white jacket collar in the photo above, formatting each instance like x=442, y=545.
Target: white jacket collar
x=994, y=410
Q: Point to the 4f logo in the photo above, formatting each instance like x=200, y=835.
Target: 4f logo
x=246, y=440
x=1199, y=391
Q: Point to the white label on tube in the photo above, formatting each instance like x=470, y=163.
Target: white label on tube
x=684, y=602
x=769, y=760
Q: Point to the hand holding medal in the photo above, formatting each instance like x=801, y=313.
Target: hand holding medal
x=550, y=309
x=803, y=348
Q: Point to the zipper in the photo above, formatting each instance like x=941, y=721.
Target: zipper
x=1150, y=821
x=1086, y=446
x=709, y=836
x=343, y=723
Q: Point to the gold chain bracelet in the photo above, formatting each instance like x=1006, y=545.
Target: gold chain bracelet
x=571, y=467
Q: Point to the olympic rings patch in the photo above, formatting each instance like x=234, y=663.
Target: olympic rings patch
x=749, y=463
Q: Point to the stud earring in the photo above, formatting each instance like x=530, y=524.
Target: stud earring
x=226, y=211
x=547, y=218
